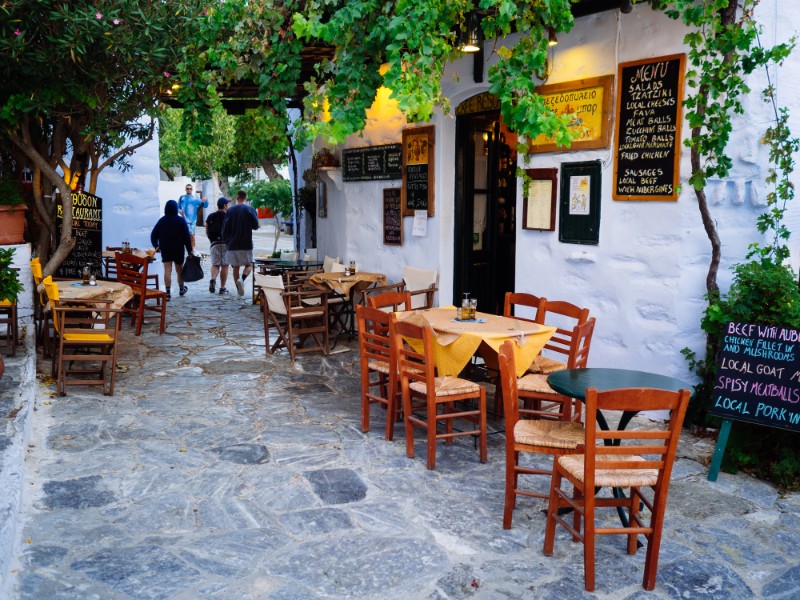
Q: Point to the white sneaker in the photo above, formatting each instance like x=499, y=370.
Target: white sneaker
x=239, y=287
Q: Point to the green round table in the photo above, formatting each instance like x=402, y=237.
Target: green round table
x=575, y=382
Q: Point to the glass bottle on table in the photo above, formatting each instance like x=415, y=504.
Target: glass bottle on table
x=86, y=274
x=464, y=313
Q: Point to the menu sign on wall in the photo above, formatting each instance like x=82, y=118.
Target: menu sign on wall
x=648, y=129
x=372, y=163
x=87, y=229
x=417, y=190
x=758, y=375
x=392, y=217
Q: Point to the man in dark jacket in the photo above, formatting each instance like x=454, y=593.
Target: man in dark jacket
x=237, y=231
x=170, y=236
x=219, y=265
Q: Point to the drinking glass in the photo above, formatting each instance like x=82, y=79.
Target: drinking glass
x=464, y=313
x=473, y=308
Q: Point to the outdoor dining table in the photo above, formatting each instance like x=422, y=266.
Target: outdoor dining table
x=148, y=254
x=71, y=289
x=455, y=341
x=575, y=382
x=346, y=287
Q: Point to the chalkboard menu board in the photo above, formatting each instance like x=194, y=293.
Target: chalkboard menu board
x=87, y=229
x=372, y=163
x=417, y=190
x=392, y=217
x=648, y=130
x=758, y=375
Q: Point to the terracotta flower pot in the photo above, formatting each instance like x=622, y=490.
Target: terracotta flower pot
x=12, y=224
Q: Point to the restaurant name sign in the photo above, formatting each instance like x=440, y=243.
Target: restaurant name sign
x=587, y=103
x=87, y=228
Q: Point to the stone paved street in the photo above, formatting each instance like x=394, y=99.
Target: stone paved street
x=219, y=472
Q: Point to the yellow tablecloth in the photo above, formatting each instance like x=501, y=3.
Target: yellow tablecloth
x=118, y=293
x=343, y=285
x=457, y=341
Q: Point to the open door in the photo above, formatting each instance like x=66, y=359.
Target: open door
x=485, y=208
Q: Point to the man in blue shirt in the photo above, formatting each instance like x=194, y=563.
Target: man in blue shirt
x=187, y=208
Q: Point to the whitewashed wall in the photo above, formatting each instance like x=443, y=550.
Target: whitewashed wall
x=645, y=280
x=130, y=200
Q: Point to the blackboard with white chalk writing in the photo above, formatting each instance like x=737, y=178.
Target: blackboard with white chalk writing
x=648, y=129
x=392, y=217
x=87, y=228
x=372, y=163
x=758, y=375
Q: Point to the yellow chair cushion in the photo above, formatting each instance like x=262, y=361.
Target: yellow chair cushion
x=88, y=337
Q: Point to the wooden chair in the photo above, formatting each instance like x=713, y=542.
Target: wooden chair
x=377, y=356
x=635, y=459
x=86, y=336
x=381, y=289
x=422, y=285
x=528, y=435
x=41, y=312
x=328, y=262
x=543, y=402
x=132, y=271
x=390, y=301
x=8, y=317
x=85, y=331
x=110, y=269
x=525, y=307
x=294, y=321
x=423, y=391
x=564, y=316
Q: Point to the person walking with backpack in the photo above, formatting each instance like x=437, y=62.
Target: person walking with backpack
x=237, y=231
x=219, y=265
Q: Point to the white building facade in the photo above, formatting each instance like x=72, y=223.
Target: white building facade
x=644, y=279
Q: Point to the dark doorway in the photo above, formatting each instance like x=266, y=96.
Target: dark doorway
x=485, y=209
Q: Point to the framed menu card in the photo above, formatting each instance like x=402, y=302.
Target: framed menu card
x=539, y=207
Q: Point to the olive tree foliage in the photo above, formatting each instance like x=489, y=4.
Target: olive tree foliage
x=80, y=84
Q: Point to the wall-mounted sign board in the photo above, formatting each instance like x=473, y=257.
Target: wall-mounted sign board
x=539, y=207
x=418, y=169
x=392, y=217
x=372, y=163
x=87, y=228
x=579, y=215
x=588, y=103
x=648, y=130
x=758, y=380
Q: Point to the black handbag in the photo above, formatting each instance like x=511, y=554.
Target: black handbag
x=192, y=269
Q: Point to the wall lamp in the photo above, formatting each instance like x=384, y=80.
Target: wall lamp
x=552, y=40
x=471, y=37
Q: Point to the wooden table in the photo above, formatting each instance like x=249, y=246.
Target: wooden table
x=70, y=289
x=346, y=286
x=455, y=342
x=135, y=251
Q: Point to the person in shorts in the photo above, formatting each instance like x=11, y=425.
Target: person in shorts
x=219, y=265
x=187, y=208
x=237, y=231
x=170, y=237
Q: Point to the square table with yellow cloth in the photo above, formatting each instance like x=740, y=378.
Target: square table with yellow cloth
x=344, y=284
x=455, y=342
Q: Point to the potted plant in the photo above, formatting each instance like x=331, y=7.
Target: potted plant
x=12, y=213
x=10, y=286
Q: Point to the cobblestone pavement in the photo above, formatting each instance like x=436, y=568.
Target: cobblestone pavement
x=219, y=472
